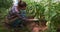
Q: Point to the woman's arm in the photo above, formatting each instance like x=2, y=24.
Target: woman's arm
x=20, y=17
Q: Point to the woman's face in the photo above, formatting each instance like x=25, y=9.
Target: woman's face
x=22, y=8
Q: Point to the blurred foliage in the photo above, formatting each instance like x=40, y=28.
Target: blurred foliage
x=4, y=7
x=5, y=3
x=48, y=8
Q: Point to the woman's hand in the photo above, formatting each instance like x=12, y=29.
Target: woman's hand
x=32, y=19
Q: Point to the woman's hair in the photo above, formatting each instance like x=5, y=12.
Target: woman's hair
x=22, y=4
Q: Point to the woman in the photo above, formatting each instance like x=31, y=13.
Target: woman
x=16, y=16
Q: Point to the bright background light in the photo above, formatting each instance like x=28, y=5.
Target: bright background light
x=15, y=1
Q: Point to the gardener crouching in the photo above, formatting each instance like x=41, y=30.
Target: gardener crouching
x=17, y=16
